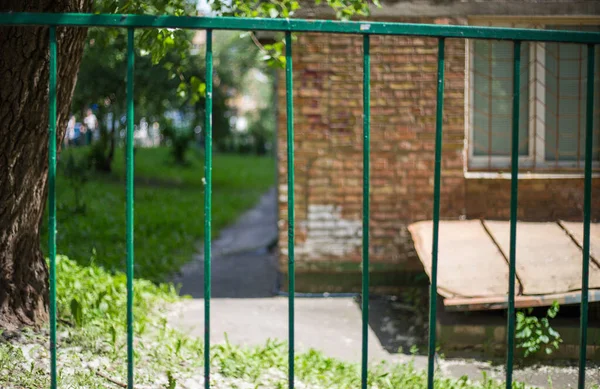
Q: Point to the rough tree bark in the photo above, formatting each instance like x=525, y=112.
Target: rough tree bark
x=24, y=68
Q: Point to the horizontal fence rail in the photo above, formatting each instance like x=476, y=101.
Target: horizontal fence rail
x=297, y=25
x=366, y=29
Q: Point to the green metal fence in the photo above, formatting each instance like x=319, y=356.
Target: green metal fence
x=366, y=29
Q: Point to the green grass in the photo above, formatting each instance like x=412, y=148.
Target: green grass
x=92, y=347
x=169, y=208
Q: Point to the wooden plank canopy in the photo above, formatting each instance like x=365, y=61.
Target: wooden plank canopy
x=548, y=261
x=473, y=265
x=464, y=251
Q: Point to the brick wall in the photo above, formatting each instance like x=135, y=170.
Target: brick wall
x=328, y=158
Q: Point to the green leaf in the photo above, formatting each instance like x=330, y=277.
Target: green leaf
x=195, y=82
x=172, y=383
x=76, y=311
x=113, y=334
x=553, y=310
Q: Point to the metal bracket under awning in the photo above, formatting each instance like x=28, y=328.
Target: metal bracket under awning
x=473, y=266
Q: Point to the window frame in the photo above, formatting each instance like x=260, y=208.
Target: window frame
x=535, y=160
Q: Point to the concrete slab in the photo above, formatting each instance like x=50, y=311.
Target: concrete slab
x=548, y=261
x=333, y=326
x=243, y=275
x=330, y=325
x=253, y=230
x=242, y=265
x=469, y=263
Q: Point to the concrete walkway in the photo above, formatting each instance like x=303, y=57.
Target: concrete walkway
x=333, y=326
x=244, y=307
x=242, y=265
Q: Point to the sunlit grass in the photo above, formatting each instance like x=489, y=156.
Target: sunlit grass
x=169, y=208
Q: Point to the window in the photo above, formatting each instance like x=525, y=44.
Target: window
x=552, y=103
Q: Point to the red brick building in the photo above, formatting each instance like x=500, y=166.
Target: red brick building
x=476, y=143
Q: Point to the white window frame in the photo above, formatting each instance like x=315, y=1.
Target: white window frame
x=535, y=157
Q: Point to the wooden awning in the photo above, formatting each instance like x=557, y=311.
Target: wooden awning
x=473, y=262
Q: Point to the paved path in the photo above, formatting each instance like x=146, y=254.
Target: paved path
x=242, y=265
x=244, y=307
x=326, y=324
x=333, y=326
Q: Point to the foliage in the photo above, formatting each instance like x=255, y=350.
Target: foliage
x=179, y=80
x=344, y=9
x=103, y=70
x=92, y=338
x=535, y=334
x=90, y=296
x=273, y=52
x=262, y=130
x=255, y=96
x=91, y=306
x=161, y=42
x=160, y=89
x=317, y=370
x=168, y=208
x=100, y=83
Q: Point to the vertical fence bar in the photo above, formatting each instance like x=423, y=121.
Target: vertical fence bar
x=436, y=212
x=587, y=204
x=365, y=221
x=52, y=202
x=129, y=212
x=514, y=181
x=289, y=82
x=207, y=204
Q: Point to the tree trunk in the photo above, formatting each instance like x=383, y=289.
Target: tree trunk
x=24, y=73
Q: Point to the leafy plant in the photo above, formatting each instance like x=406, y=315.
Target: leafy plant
x=535, y=334
x=92, y=296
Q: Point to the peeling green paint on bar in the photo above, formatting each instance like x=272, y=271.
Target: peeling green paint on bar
x=439, y=115
x=52, y=203
x=297, y=25
x=207, y=204
x=587, y=205
x=289, y=95
x=366, y=210
x=129, y=213
x=510, y=325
